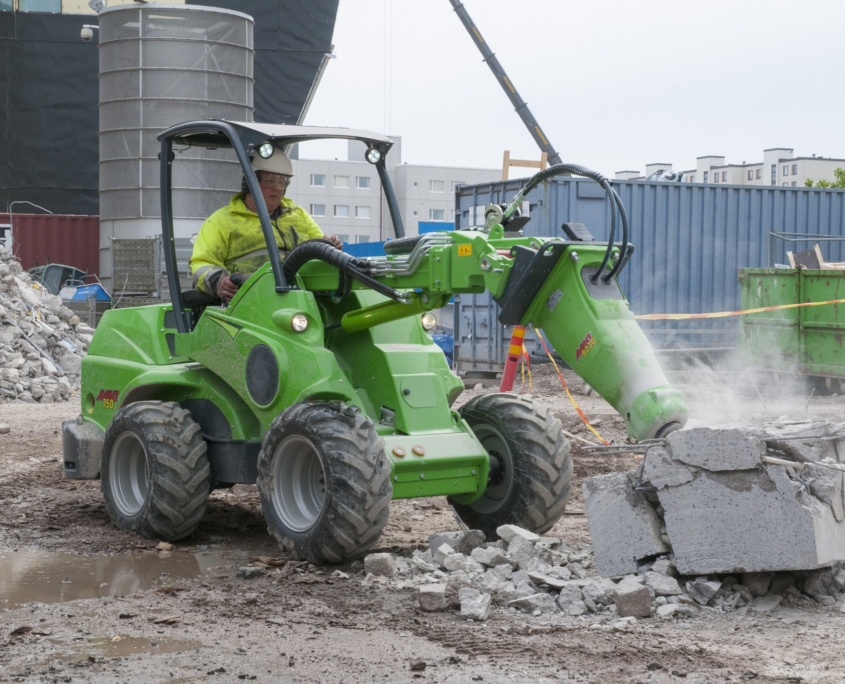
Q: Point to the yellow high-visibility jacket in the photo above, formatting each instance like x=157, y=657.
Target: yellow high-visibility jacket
x=231, y=241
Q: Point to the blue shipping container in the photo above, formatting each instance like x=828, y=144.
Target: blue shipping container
x=690, y=241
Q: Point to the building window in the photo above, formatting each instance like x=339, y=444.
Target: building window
x=52, y=6
x=724, y=176
x=716, y=177
x=341, y=181
x=318, y=210
x=795, y=169
x=318, y=180
x=786, y=184
x=785, y=169
x=774, y=174
x=437, y=186
x=759, y=174
x=794, y=183
x=415, y=213
x=750, y=174
x=341, y=210
x=360, y=239
x=455, y=185
x=435, y=214
x=416, y=184
x=7, y=5
x=342, y=238
x=362, y=182
x=706, y=174
x=362, y=212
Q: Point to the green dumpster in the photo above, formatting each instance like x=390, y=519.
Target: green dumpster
x=804, y=340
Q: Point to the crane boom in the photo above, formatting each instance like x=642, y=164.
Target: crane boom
x=519, y=104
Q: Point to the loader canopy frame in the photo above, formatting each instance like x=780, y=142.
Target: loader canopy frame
x=243, y=138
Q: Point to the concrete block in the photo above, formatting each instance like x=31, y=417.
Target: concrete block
x=443, y=551
x=662, y=471
x=474, y=604
x=432, y=597
x=490, y=557
x=522, y=551
x=535, y=604
x=821, y=582
x=632, y=600
x=599, y=591
x=703, y=590
x=623, y=526
x=509, y=532
x=488, y=583
x=749, y=521
x=663, y=585
x=460, y=541
x=382, y=564
x=757, y=582
x=717, y=449
x=454, y=561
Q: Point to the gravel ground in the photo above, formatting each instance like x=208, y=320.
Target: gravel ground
x=83, y=601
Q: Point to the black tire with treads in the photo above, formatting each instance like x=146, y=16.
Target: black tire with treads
x=178, y=477
x=348, y=461
x=531, y=472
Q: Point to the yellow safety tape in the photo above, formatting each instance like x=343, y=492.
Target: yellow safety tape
x=725, y=314
x=578, y=410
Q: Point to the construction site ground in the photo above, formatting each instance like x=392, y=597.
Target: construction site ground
x=82, y=601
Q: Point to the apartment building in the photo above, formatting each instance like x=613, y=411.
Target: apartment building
x=345, y=197
x=779, y=167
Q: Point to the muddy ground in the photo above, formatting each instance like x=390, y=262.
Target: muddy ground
x=83, y=601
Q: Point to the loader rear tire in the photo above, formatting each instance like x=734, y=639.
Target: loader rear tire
x=530, y=469
x=155, y=473
x=324, y=482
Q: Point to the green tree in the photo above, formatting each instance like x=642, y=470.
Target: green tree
x=838, y=182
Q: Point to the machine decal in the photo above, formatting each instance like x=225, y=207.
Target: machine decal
x=554, y=298
x=585, y=346
x=108, y=397
x=464, y=250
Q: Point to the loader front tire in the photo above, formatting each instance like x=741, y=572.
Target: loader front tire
x=324, y=482
x=155, y=473
x=530, y=470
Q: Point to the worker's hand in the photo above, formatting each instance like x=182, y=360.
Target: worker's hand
x=226, y=289
x=335, y=241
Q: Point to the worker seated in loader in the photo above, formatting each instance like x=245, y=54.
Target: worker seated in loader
x=231, y=241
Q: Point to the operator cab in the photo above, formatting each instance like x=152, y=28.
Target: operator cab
x=246, y=139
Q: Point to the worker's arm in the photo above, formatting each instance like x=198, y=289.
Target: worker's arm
x=206, y=263
x=306, y=224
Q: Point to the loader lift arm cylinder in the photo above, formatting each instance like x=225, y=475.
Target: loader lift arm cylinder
x=519, y=104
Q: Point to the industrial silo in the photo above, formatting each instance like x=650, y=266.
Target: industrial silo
x=161, y=65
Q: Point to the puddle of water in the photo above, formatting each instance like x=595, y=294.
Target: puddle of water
x=52, y=577
x=128, y=645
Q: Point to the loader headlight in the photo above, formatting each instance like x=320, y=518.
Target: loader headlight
x=373, y=155
x=299, y=322
x=266, y=150
x=428, y=320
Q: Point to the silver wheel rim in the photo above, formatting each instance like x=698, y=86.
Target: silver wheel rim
x=496, y=446
x=299, y=484
x=128, y=474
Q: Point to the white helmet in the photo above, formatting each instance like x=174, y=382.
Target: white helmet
x=278, y=162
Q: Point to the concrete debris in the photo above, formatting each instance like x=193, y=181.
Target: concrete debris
x=443, y=551
x=5, y=429
x=251, y=572
x=757, y=582
x=382, y=564
x=474, y=604
x=432, y=597
x=708, y=496
x=662, y=585
x=766, y=604
x=460, y=541
x=632, y=600
x=536, y=604
x=703, y=590
x=510, y=532
x=42, y=342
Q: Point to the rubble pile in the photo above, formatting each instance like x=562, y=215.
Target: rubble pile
x=543, y=576
x=42, y=342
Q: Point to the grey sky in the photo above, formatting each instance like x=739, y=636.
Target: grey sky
x=615, y=84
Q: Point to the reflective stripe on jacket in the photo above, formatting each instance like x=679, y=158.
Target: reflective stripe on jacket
x=231, y=241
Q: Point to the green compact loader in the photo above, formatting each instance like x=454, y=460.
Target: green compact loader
x=319, y=382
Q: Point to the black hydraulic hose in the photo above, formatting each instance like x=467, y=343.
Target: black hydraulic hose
x=606, y=258
x=323, y=250
x=403, y=245
x=623, y=254
x=559, y=169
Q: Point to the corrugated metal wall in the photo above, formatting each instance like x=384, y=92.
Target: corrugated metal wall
x=58, y=238
x=690, y=241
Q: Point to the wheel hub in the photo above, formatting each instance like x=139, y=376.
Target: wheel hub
x=128, y=474
x=299, y=483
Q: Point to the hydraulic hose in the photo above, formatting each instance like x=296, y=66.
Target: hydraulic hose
x=323, y=250
x=615, y=205
x=403, y=245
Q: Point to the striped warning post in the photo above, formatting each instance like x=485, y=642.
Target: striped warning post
x=512, y=359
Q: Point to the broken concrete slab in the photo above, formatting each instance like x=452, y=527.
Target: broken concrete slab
x=536, y=604
x=703, y=590
x=749, y=521
x=662, y=471
x=490, y=557
x=717, y=449
x=460, y=541
x=509, y=532
x=623, y=526
x=663, y=585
